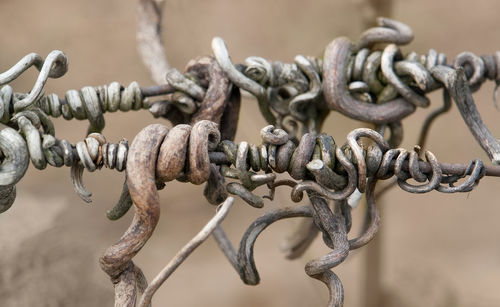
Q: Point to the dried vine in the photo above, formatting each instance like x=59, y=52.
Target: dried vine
x=371, y=81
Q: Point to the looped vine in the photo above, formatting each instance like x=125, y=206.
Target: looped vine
x=288, y=94
x=372, y=81
x=324, y=167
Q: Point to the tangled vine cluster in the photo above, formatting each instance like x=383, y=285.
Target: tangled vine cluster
x=372, y=80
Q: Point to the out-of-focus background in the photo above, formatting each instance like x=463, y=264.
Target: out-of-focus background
x=436, y=249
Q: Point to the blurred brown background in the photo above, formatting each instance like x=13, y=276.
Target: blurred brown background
x=437, y=250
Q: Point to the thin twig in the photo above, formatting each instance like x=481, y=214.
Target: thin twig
x=149, y=42
x=223, y=210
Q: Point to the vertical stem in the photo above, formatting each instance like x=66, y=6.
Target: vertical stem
x=149, y=41
x=370, y=10
x=373, y=270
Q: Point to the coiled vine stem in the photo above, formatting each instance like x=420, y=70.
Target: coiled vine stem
x=371, y=81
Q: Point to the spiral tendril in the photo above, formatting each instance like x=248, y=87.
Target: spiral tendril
x=372, y=81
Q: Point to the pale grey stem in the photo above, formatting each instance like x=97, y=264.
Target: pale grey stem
x=388, y=31
x=223, y=210
x=14, y=160
x=15, y=154
x=26, y=62
x=54, y=66
x=76, y=180
x=181, y=83
x=240, y=80
x=455, y=82
x=55, y=71
x=148, y=37
x=222, y=56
